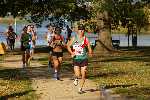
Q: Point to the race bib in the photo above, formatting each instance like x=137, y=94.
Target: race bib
x=78, y=49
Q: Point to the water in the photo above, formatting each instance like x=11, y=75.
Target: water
x=142, y=40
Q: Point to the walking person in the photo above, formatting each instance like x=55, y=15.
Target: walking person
x=57, y=52
x=77, y=48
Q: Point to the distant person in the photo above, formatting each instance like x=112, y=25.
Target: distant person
x=34, y=38
x=25, y=46
x=57, y=52
x=49, y=37
x=69, y=31
x=77, y=48
x=11, y=36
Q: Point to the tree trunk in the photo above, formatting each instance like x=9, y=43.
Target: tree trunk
x=104, y=43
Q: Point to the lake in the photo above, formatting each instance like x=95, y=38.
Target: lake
x=142, y=40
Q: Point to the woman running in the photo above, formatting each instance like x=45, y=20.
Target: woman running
x=79, y=43
x=25, y=46
x=57, y=52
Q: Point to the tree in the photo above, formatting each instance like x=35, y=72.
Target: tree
x=113, y=13
x=107, y=13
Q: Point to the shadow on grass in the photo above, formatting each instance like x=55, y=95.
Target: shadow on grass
x=40, y=72
x=115, y=86
x=135, y=93
x=15, y=95
x=93, y=75
x=12, y=74
x=145, y=58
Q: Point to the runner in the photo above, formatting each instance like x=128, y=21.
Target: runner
x=49, y=36
x=25, y=46
x=79, y=54
x=57, y=52
x=34, y=38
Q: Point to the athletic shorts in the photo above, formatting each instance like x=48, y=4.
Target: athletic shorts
x=57, y=54
x=80, y=63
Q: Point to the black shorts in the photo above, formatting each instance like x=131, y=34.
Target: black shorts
x=80, y=63
x=23, y=48
x=57, y=54
x=50, y=48
x=12, y=41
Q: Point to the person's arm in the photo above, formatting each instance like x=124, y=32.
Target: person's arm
x=89, y=49
x=52, y=39
x=63, y=41
x=69, y=47
x=15, y=35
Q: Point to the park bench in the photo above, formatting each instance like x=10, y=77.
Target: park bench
x=116, y=43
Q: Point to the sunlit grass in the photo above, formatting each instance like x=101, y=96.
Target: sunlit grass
x=126, y=75
x=15, y=84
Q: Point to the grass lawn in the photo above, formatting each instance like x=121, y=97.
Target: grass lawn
x=127, y=75
x=15, y=84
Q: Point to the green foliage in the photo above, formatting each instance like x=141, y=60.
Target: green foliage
x=42, y=9
x=122, y=12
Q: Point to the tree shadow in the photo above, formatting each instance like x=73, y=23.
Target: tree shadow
x=134, y=93
x=144, y=58
x=40, y=72
x=116, y=86
x=12, y=74
x=15, y=94
x=92, y=90
x=107, y=74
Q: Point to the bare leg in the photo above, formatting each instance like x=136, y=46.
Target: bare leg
x=83, y=74
x=23, y=58
x=77, y=71
x=56, y=67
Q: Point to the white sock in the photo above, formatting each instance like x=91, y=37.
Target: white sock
x=56, y=71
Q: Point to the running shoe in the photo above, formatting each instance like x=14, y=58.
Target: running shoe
x=80, y=91
x=76, y=82
x=57, y=78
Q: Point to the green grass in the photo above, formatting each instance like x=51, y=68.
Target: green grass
x=128, y=75
x=15, y=84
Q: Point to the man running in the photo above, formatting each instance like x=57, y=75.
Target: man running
x=79, y=54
